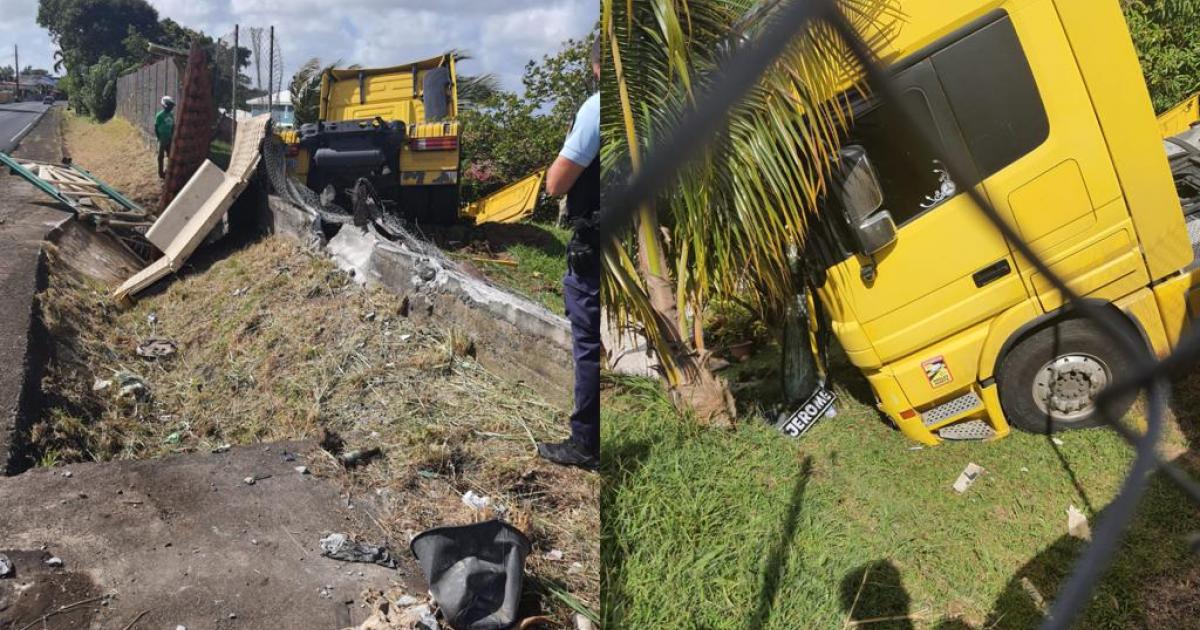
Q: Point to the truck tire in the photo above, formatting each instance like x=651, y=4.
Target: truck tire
x=1048, y=381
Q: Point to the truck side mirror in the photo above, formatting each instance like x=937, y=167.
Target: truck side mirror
x=862, y=199
x=858, y=186
x=876, y=232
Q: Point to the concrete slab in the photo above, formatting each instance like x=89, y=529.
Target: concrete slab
x=186, y=539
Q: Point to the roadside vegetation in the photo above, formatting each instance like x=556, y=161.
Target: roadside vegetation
x=852, y=524
x=90, y=145
x=273, y=343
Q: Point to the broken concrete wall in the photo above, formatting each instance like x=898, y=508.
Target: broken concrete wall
x=513, y=336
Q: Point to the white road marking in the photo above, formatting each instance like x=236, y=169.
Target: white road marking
x=14, y=138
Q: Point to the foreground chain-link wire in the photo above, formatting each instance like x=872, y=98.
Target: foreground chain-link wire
x=699, y=125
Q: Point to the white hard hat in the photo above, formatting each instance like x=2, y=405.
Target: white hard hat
x=167, y=100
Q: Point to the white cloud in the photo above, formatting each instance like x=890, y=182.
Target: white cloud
x=501, y=35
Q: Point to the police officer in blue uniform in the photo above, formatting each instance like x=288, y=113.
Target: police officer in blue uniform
x=576, y=173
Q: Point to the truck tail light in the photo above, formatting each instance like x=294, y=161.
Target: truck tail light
x=440, y=143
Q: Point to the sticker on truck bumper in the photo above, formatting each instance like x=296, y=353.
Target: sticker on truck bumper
x=937, y=372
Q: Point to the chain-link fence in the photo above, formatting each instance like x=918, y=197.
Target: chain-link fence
x=702, y=123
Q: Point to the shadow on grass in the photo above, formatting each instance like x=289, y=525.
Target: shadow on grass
x=493, y=238
x=618, y=464
x=874, y=594
x=779, y=552
x=1154, y=578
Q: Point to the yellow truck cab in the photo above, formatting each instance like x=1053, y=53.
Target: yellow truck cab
x=397, y=126
x=1045, y=103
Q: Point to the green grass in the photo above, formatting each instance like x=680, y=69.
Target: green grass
x=538, y=249
x=706, y=528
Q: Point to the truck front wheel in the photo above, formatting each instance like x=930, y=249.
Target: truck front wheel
x=1049, y=381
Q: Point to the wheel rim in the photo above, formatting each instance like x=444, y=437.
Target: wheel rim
x=1065, y=388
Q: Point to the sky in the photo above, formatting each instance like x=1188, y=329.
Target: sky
x=500, y=35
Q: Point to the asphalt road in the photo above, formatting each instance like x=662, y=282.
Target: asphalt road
x=15, y=120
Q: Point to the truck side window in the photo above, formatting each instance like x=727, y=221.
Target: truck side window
x=987, y=80
x=913, y=179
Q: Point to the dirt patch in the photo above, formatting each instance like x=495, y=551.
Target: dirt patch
x=274, y=343
x=184, y=541
x=117, y=153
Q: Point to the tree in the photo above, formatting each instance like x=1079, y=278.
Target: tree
x=97, y=91
x=1166, y=34
x=305, y=87
x=506, y=136
x=7, y=73
x=725, y=227
x=86, y=30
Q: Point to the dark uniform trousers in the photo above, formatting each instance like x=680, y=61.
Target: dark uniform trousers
x=581, y=292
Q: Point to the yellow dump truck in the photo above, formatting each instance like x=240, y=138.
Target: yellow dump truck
x=1044, y=103
x=397, y=126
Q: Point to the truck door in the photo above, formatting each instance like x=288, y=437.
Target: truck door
x=948, y=267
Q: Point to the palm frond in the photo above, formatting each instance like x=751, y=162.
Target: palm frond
x=733, y=213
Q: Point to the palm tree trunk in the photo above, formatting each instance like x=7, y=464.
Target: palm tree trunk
x=693, y=386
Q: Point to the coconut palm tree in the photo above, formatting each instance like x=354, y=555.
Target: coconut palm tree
x=725, y=227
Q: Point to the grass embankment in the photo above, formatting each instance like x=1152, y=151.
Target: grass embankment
x=122, y=157
x=713, y=529
x=274, y=343
x=527, y=258
x=115, y=152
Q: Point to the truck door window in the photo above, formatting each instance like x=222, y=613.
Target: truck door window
x=912, y=176
x=989, y=85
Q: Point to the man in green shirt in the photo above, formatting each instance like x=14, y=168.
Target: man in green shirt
x=164, y=128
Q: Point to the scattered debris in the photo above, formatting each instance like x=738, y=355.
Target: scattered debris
x=1057, y=442
x=341, y=547
x=475, y=572
x=249, y=481
x=6, y=566
x=576, y=568
x=968, y=477
x=1024, y=469
x=240, y=292
x=172, y=438
x=100, y=385
x=67, y=474
x=476, y=501
x=54, y=561
x=1077, y=524
x=156, y=348
x=198, y=207
x=222, y=448
x=90, y=199
x=303, y=470
x=405, y=613
x=916, y=448
x=357, y=457
x=132, y=387
x=553, y=554
x=583, y=623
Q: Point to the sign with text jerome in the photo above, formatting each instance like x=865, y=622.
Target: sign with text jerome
x=807, y=415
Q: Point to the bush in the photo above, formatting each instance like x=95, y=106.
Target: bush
x=96, y=92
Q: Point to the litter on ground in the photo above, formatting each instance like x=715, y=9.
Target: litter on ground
x=968, y=477
x=341, y=546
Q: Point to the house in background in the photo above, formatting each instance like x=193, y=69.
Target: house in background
x=281, y=108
